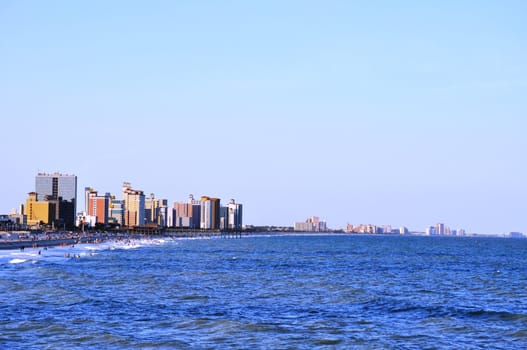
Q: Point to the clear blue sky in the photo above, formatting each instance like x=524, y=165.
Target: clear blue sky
x=384, y=112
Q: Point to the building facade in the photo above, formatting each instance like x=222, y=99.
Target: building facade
x=134, y=206
x=210, y=213
x=234, y=215
x=62, y=188
x=98, y=206
x=116, y=212
x=39, y=212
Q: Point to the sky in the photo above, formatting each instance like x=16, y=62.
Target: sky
x=384, y=112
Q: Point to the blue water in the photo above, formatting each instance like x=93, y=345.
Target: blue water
x=298, y=292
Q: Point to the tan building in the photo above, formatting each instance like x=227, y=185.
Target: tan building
x=134, y=206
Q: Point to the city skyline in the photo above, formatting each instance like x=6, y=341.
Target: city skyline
x=52, y=206
x=135, y=209
x=403, y=113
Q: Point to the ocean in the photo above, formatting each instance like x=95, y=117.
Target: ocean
x=268, y=292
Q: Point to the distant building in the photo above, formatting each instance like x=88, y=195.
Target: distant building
x=63, y=189
x=312, y=224
x=210, y=213
x=235, y=215
x=156, y=211
x=98, y=206
x=134, y=206
x=85, y=221
x=170, y=217
x=430, y=231
x=386, y=229
x=116, y=212
x=195, y=212
x=18, y=219
x=182, y=214
x=162, y=214
x=7, y=223
x=403, y=230
x=368, y=228
x=150, y=209
x=187, y=215
x=39, y=212
x=224, y=218
x=303, y=226
x=440, y=229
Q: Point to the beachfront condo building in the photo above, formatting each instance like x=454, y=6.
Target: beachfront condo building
x=134, y=206
x=314, y=224
x=116, y=212
x=62, y=188
x=187, y=214
x=210, y=213
x=39, y=212
x=156, y=211
x=97, y=205
x=234, y=215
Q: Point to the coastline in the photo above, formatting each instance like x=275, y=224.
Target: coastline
x=17, y=241
x=23, y=240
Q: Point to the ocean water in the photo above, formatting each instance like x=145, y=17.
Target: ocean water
x=268, y=292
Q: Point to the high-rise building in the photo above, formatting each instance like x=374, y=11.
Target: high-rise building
x=440, y=229
x=312, y=224
x=386, y=229
x=150, y=209
x=303, y=226
x=187, y=214
x=170, y=217
x=430, y=231
x=182, y=214
x=234, y=215
x=210, y=213
x=62, y=188
x=134, y=206
x=155, y=210
x=116, y=211
x=224, y=218
x=195, y=211
x=98, y=205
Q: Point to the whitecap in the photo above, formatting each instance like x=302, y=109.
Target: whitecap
x=17, y=261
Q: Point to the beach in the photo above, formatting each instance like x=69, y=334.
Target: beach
x=23, y=240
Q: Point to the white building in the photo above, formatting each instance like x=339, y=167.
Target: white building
x=430, y=231
x=304, y=227
x=85, y=221
x=234, y=215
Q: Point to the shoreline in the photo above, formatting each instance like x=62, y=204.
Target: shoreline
x=23, y=240
x=57, y=239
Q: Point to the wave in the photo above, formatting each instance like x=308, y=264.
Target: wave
x=17, y=261
x=497, y=315
x=396, y=306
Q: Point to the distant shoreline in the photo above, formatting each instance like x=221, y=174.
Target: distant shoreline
x=23, y=240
